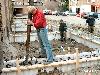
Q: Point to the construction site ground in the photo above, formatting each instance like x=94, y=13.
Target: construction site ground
x=68, y=47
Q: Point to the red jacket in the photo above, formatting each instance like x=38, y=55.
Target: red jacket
x=39, y=19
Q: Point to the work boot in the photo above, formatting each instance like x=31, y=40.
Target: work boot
x=47, y=62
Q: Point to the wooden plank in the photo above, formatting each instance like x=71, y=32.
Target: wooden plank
x=18, y=67
x=54, y=64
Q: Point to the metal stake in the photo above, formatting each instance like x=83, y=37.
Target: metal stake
x=28, y=39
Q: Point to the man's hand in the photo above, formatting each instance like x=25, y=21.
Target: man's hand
x=29, y=22
x=86, y=23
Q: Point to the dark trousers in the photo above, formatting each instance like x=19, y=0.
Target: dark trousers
x=91, y=29
x=63, y=36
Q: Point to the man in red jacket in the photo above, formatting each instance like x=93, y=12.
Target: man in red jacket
x=39, y=22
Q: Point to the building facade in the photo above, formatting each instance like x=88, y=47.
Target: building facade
x=21, y=5
x=84, y=5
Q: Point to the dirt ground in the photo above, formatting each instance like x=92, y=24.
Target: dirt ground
x=69, y=46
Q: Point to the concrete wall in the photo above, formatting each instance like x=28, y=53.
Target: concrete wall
x=91, y=43
x=22, y=37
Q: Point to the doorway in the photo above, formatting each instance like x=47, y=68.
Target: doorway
x=93, y=9
x=77, y=10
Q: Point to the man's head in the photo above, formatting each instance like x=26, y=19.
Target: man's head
x=61, y=21
x=90, y=16
x=31, y=9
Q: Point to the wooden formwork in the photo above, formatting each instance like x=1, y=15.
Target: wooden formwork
x=62, y=68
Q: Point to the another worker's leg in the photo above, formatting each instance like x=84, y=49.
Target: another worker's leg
x=47, y=46
x=64, y=36
x=89, y=29
x=92, y=29
x=43, y=51
x=61, y=35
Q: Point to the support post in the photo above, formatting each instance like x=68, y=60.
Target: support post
x=69, y=51
x=18, y=67
x=77, y=61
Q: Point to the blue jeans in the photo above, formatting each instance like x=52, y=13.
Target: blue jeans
x=46, y=48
